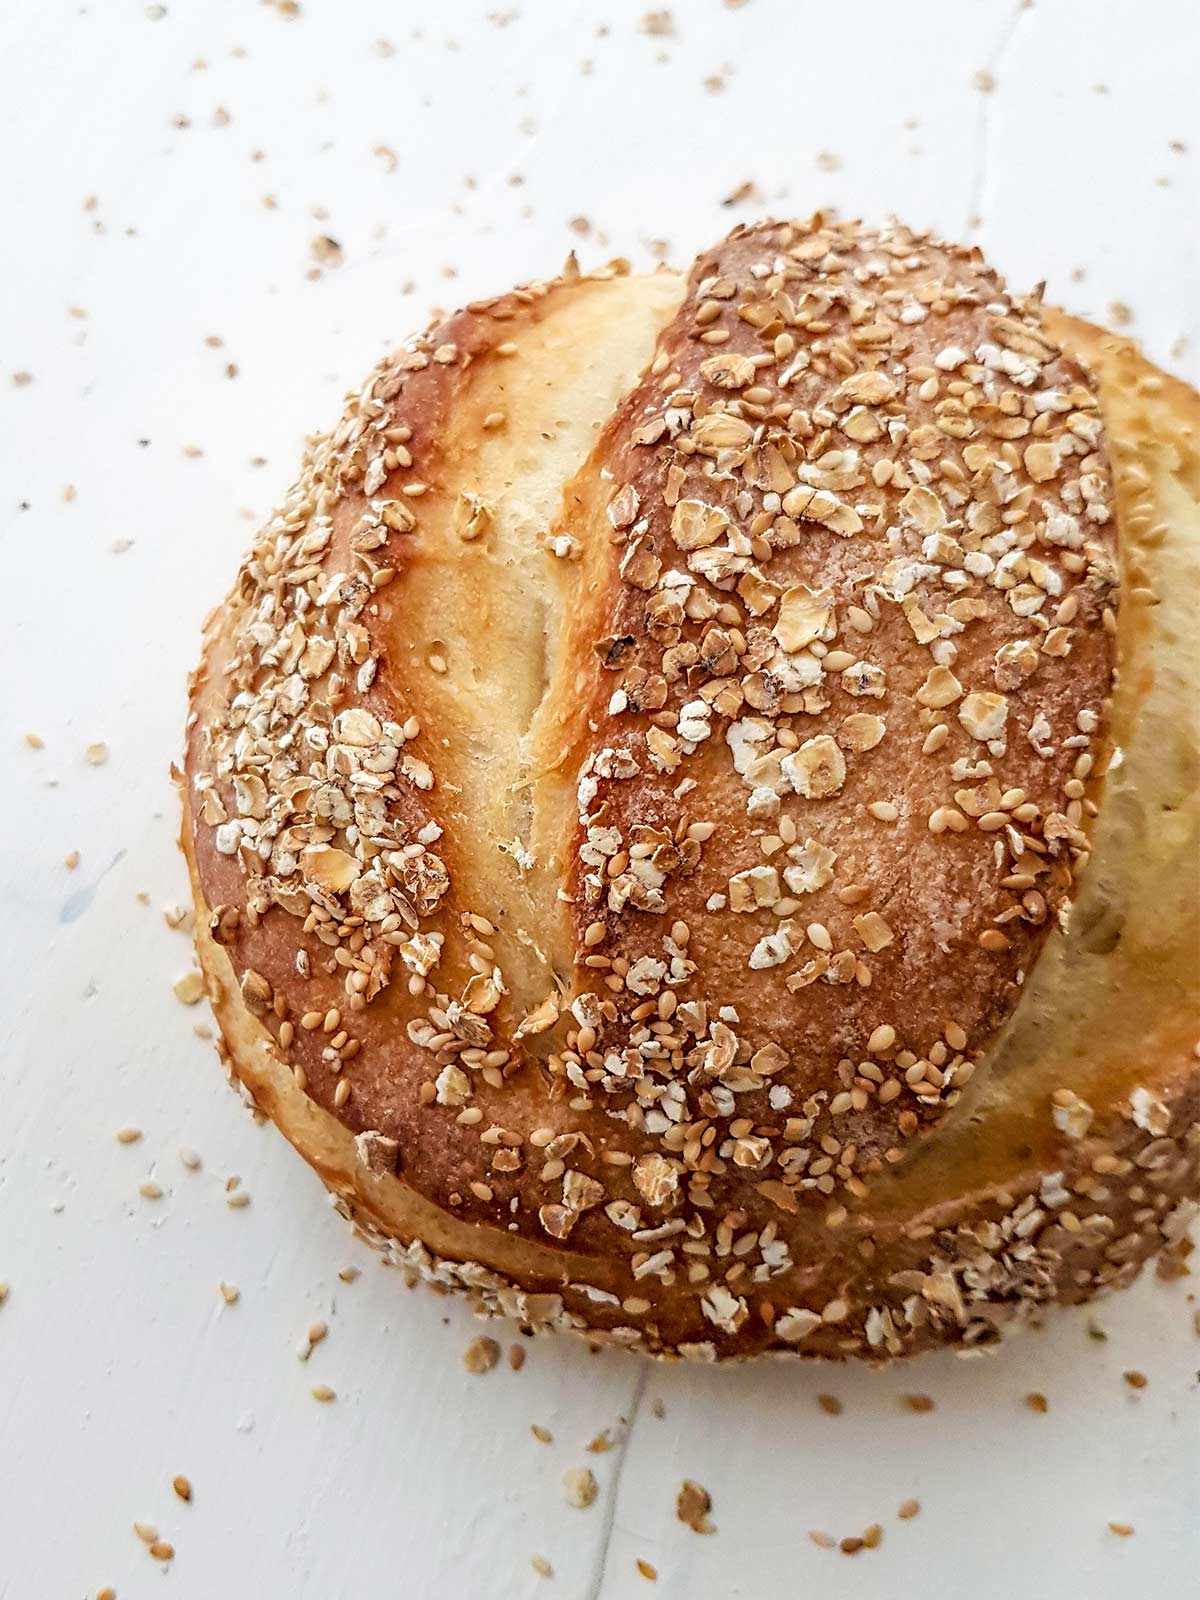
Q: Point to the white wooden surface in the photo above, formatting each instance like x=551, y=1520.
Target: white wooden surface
x=119, y=1364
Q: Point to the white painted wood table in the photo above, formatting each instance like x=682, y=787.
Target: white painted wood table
x=165, y=339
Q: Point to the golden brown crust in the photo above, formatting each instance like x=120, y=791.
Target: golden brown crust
x=639, y=1164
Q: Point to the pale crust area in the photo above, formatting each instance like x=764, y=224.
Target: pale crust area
x=1051, y=1169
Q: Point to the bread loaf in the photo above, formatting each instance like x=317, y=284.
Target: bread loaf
x=692, y=803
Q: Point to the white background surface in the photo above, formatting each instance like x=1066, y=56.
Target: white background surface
x=119, y=1364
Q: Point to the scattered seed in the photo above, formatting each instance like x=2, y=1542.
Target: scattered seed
x=581, y=1487
x=230, y=1293
x=181, y=1486
x=649, y=1572
x=516, y=1356
x=128, y=1135
x=323, y=1393
x=96, y=755
x=908, y=1508
x=830, y=1404
x=162, y=1551
x=692, y=1505
x=1037, y=1402
x=1136, y=1380
x=481, y=1355
x=541, y=1566
x=919, y=1402
x=149, y=1190
x=1122, y=1529
x=823, y=1541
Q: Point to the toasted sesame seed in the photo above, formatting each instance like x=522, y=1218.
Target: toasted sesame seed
x=323, y=1393
x=907, y=1509
x=128, y=1135
x=181, y=1486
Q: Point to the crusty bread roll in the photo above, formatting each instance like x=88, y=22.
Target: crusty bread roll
x=692, y=803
